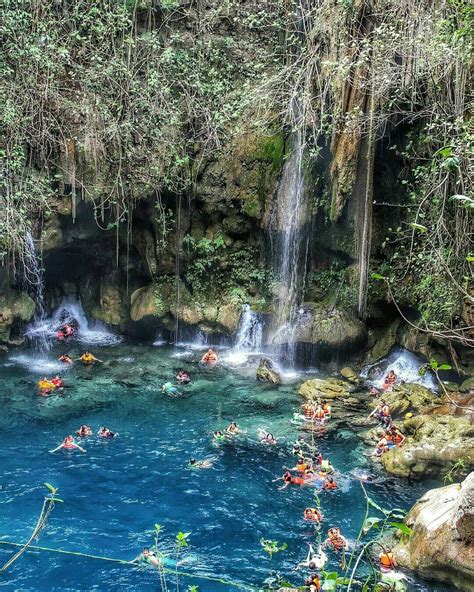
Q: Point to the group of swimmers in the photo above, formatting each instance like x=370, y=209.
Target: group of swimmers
x=316, y=412
x=84, y=431
x=47, y=386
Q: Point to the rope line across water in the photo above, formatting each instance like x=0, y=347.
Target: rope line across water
x=124, y=562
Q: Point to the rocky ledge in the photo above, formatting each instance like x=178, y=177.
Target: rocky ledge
x=441, y=546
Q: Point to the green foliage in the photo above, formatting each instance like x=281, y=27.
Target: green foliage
x=459, y=467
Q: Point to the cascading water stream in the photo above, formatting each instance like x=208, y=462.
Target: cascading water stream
x=250, y=331
x=34, y=280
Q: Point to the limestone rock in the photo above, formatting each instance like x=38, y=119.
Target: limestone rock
x=14, y=306
x=433, y=444
x=143, y=304
x=337, y=329
x=409, y=397
x=266, y=372
x=350, y=375
x=111, y=307
x=435, y=549
x=327, y=388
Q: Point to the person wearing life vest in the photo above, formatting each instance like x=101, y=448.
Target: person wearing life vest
x=106, y=433
x=46, y=386
x=336, y=540
x=147, y=557
x=308, y=411
x=327, y=409
x=301, y=466
x=312, y=515
x=319, y=414
x=326, y=467
x=389, y=381
x=397, y=437
x=210, y=357
x=183, y=377
x=57, y=381
x=68, y=444
x=65, y=359
x=289, y=479
x=330, y=484
x=313, y=583
x=68, y=330
x=88, y=359
x=387, y=561
x=84, y=431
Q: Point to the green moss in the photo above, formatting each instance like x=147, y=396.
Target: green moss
x=273, y=151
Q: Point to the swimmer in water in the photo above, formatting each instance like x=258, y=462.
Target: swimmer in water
x=312, y=515
x=265, y=437
x=201, y=464
x=209, y=358
x=106, y=433
x=363, y=476
x=66, y=359
x=314, y=560
x=335, y=540
x=233, y=429
x=88, y=359
x=219, y=436
x=68, y=444
x=147, y=557
x=84, y=431
x=183, y=377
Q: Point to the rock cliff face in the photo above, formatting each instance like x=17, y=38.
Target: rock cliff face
x=441, y=546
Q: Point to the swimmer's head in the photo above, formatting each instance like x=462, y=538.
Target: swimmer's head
x=192, y=461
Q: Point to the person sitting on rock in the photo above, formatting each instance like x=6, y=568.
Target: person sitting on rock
x=390, y=380
x=397, y=437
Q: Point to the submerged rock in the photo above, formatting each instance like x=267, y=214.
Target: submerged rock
x=266, y=372
x=432, y=445
x=328, y=388
x=441, y=544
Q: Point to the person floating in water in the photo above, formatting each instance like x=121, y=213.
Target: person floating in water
x=209, y=358
x=314, y=560
x=66, y=359
x=335, y=540
x=88, y=359
x=147, y=557
x=84, y=431
x=233, y=429
x=312, y=515
x=329, y=484
x=105, y=433
x=183, y=377
x=46, y=387
x=68, y=444
x=390, y=381
x=265, y=437
x=169, y=389
x=201, y=464
x=58, y=382
x=218, y=436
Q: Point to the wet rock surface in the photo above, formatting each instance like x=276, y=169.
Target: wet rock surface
x=440, y=546
x=266, y=372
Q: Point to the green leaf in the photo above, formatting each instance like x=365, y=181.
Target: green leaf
x=419, y=227
x=470, y=258
x=403, y=528
x=51, y=488
x=445, y=367
x=377, y=276
x=371, y=502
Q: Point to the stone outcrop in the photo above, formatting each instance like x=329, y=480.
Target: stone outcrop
x=266, y=372
x=432, y=446
x=15, y=307
x=441, y=544
x=329, y=388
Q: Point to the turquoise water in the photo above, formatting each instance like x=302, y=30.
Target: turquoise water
x=115, y=492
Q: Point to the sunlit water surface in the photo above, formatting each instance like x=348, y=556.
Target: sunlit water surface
x=115, y=492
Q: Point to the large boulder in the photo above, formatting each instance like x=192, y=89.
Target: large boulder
x=440, y=546
x=266, y=372
x=324, y=388
x=432, y=445
x=413, y=398
x=337, y=330
x=14, y=307
x=111, y=307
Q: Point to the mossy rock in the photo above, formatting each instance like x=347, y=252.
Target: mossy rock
x=432, y=446
x=111, y=308
x=409, y=398
x=14, y=306
x=328, y=388
x=337, y=329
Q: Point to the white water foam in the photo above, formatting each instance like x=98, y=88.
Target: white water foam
x=406, y=366
x=70, y=311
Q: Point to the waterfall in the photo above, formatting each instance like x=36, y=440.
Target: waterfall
x=70, y=312
x=250, y=331
x=34, y=281
x=286, y=223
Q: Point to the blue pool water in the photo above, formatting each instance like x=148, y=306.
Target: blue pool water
x=115, y=492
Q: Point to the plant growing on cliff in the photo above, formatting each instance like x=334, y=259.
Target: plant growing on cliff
x=271, y=548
